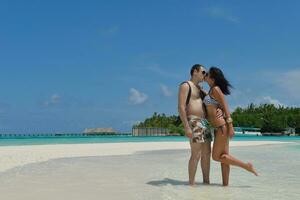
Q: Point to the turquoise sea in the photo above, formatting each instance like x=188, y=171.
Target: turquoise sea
x=125, y=138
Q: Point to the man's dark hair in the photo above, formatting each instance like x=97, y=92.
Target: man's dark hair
x=195, y=67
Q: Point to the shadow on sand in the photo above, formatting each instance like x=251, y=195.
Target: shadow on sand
x=168, y=181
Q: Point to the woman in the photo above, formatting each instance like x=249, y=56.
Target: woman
x=222, y=122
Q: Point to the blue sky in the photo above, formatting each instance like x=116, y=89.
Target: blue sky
x=68, y=65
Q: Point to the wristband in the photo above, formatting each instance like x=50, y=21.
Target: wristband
x=229, y=120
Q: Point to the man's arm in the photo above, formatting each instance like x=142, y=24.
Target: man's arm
x=182, y=96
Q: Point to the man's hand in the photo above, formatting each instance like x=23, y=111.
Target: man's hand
x=188, y=132
x=230, y=130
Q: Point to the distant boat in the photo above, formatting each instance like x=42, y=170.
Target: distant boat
x=247, y=131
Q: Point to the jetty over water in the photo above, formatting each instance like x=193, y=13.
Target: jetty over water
x=32, y=133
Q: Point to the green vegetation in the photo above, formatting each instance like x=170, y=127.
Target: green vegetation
x=173, y=123
x=265, y=116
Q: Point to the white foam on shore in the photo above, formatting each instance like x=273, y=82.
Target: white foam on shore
x=14, y=156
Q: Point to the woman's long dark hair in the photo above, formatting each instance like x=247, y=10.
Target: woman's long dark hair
x=220, y=80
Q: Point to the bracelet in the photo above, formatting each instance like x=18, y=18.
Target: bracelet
x=229, y=120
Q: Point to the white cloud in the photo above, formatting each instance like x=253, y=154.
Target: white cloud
x=110, y=31
x=165, y=90
x=137, y=97
x=54, y=100
x=131, y=122
x=4, y=107
x=270, y=86
x=156, y=68
x=269, y=100
x=290, y=82
x=220, y=13
x=242, y=98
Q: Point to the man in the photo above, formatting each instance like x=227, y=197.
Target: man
x=192, y=114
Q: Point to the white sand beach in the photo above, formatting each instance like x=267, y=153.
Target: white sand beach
x=144, y=171
x=14, y=156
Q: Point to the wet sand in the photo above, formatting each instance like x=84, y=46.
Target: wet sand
x=14, y=156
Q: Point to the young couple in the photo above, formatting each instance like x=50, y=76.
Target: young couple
x=196, y=108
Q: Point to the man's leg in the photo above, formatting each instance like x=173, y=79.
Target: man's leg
x=194, y=160
x=205, y=161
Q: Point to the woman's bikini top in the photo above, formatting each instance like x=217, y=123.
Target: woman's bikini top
x=208, y=100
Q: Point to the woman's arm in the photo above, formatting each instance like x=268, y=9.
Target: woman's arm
x=219, y=96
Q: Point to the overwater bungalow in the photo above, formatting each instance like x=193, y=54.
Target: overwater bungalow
x=99, y=131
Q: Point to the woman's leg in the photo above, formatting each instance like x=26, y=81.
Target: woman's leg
x=194, y=160
x=225, y=167
x=219, y=151
x=220, y=147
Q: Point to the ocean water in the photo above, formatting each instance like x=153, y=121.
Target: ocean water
x=157, y=175
x=125, y=138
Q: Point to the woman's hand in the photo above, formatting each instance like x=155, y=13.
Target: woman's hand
x=188, y=132
x=230, y=130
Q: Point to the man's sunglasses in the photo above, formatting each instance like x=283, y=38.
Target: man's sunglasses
x=204, y=73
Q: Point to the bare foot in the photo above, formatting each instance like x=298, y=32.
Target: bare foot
x=192, y=184
x=251, y=169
